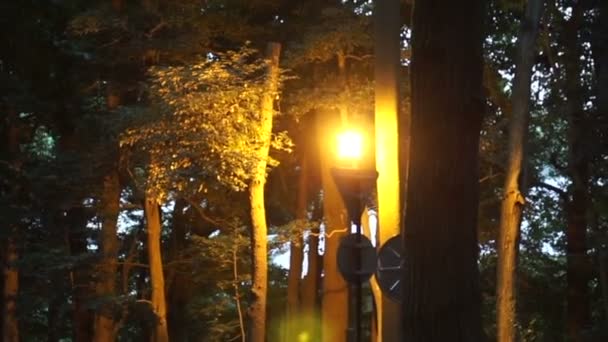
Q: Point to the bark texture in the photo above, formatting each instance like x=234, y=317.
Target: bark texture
x=312, y=281
x=334, y=298
x=577, y=261
x=10, y=285
x=157, y=278
x=259, y=233
x=179, y=288
x=387, y=63
x=75, y=221
x=104, y=323
x=603, y=275
x=310, y=287
x=514, y=187
x=10, y=323
x=600, y=51
x=441, y=296
x=600, y=54
x=296, y=255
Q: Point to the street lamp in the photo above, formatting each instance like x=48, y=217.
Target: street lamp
x=350, y=146
x=356, y=254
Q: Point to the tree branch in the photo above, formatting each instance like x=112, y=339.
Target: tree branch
x=488, y=177
x=561, y=193
x=110, y=43
x=216, y=222
x=155, y=29
x=131, y=206
x=359, y=58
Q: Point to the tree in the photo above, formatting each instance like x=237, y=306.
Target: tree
x=333, y=57
x=441, y=298
x=104, y=323
x=515, y=183
x=311, y=283
x=296, y=249
x=578, y=170
x=180, y=86
x=259, y=230
x=334, y=298
x=158, y=302
x=215, y=116
x=600, y=52
x=10, y=255
x=391, y=128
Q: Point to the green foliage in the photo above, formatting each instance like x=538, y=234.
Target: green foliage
x=210, y=116
x=188, y=78
x=43, y=144
x=224, y=266
x=338, y=30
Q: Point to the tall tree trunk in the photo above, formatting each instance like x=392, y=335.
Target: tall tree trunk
x=54, y=304
x=10, y=324
x=334, y=300
x=514, y=187
x=441, y=295
x=61, y=282
x=259, y=233
x=603, y=277
x=3, y=261
x=600, y=52
x=57, y=279
x=75, y=221
x=387, y=63
x=296, y=255
x=159, y=304
x=178, y=287
x=577, y=262
x=104, y=323
x=10, y=286
x=310, y=284
x=141, y=283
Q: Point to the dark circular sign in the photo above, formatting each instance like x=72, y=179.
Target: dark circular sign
x=389, y=269
x=356, y=258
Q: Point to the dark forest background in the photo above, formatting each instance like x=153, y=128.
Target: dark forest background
x=116, y=113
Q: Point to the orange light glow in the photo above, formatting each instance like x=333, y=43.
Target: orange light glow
x=350, y=145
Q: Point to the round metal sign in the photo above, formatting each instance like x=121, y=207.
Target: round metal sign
x=356, y=260
x=390, y=267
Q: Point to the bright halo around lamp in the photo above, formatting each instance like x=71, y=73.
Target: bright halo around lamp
x=350, y=145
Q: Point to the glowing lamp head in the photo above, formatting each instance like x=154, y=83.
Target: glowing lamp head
x=350, y=145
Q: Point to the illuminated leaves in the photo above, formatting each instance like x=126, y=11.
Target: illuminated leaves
x=208, y=120
x=339, y=30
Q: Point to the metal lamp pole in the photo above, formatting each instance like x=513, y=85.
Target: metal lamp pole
x=355, y=186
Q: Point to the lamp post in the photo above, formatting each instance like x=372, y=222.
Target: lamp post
x=356, y=254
